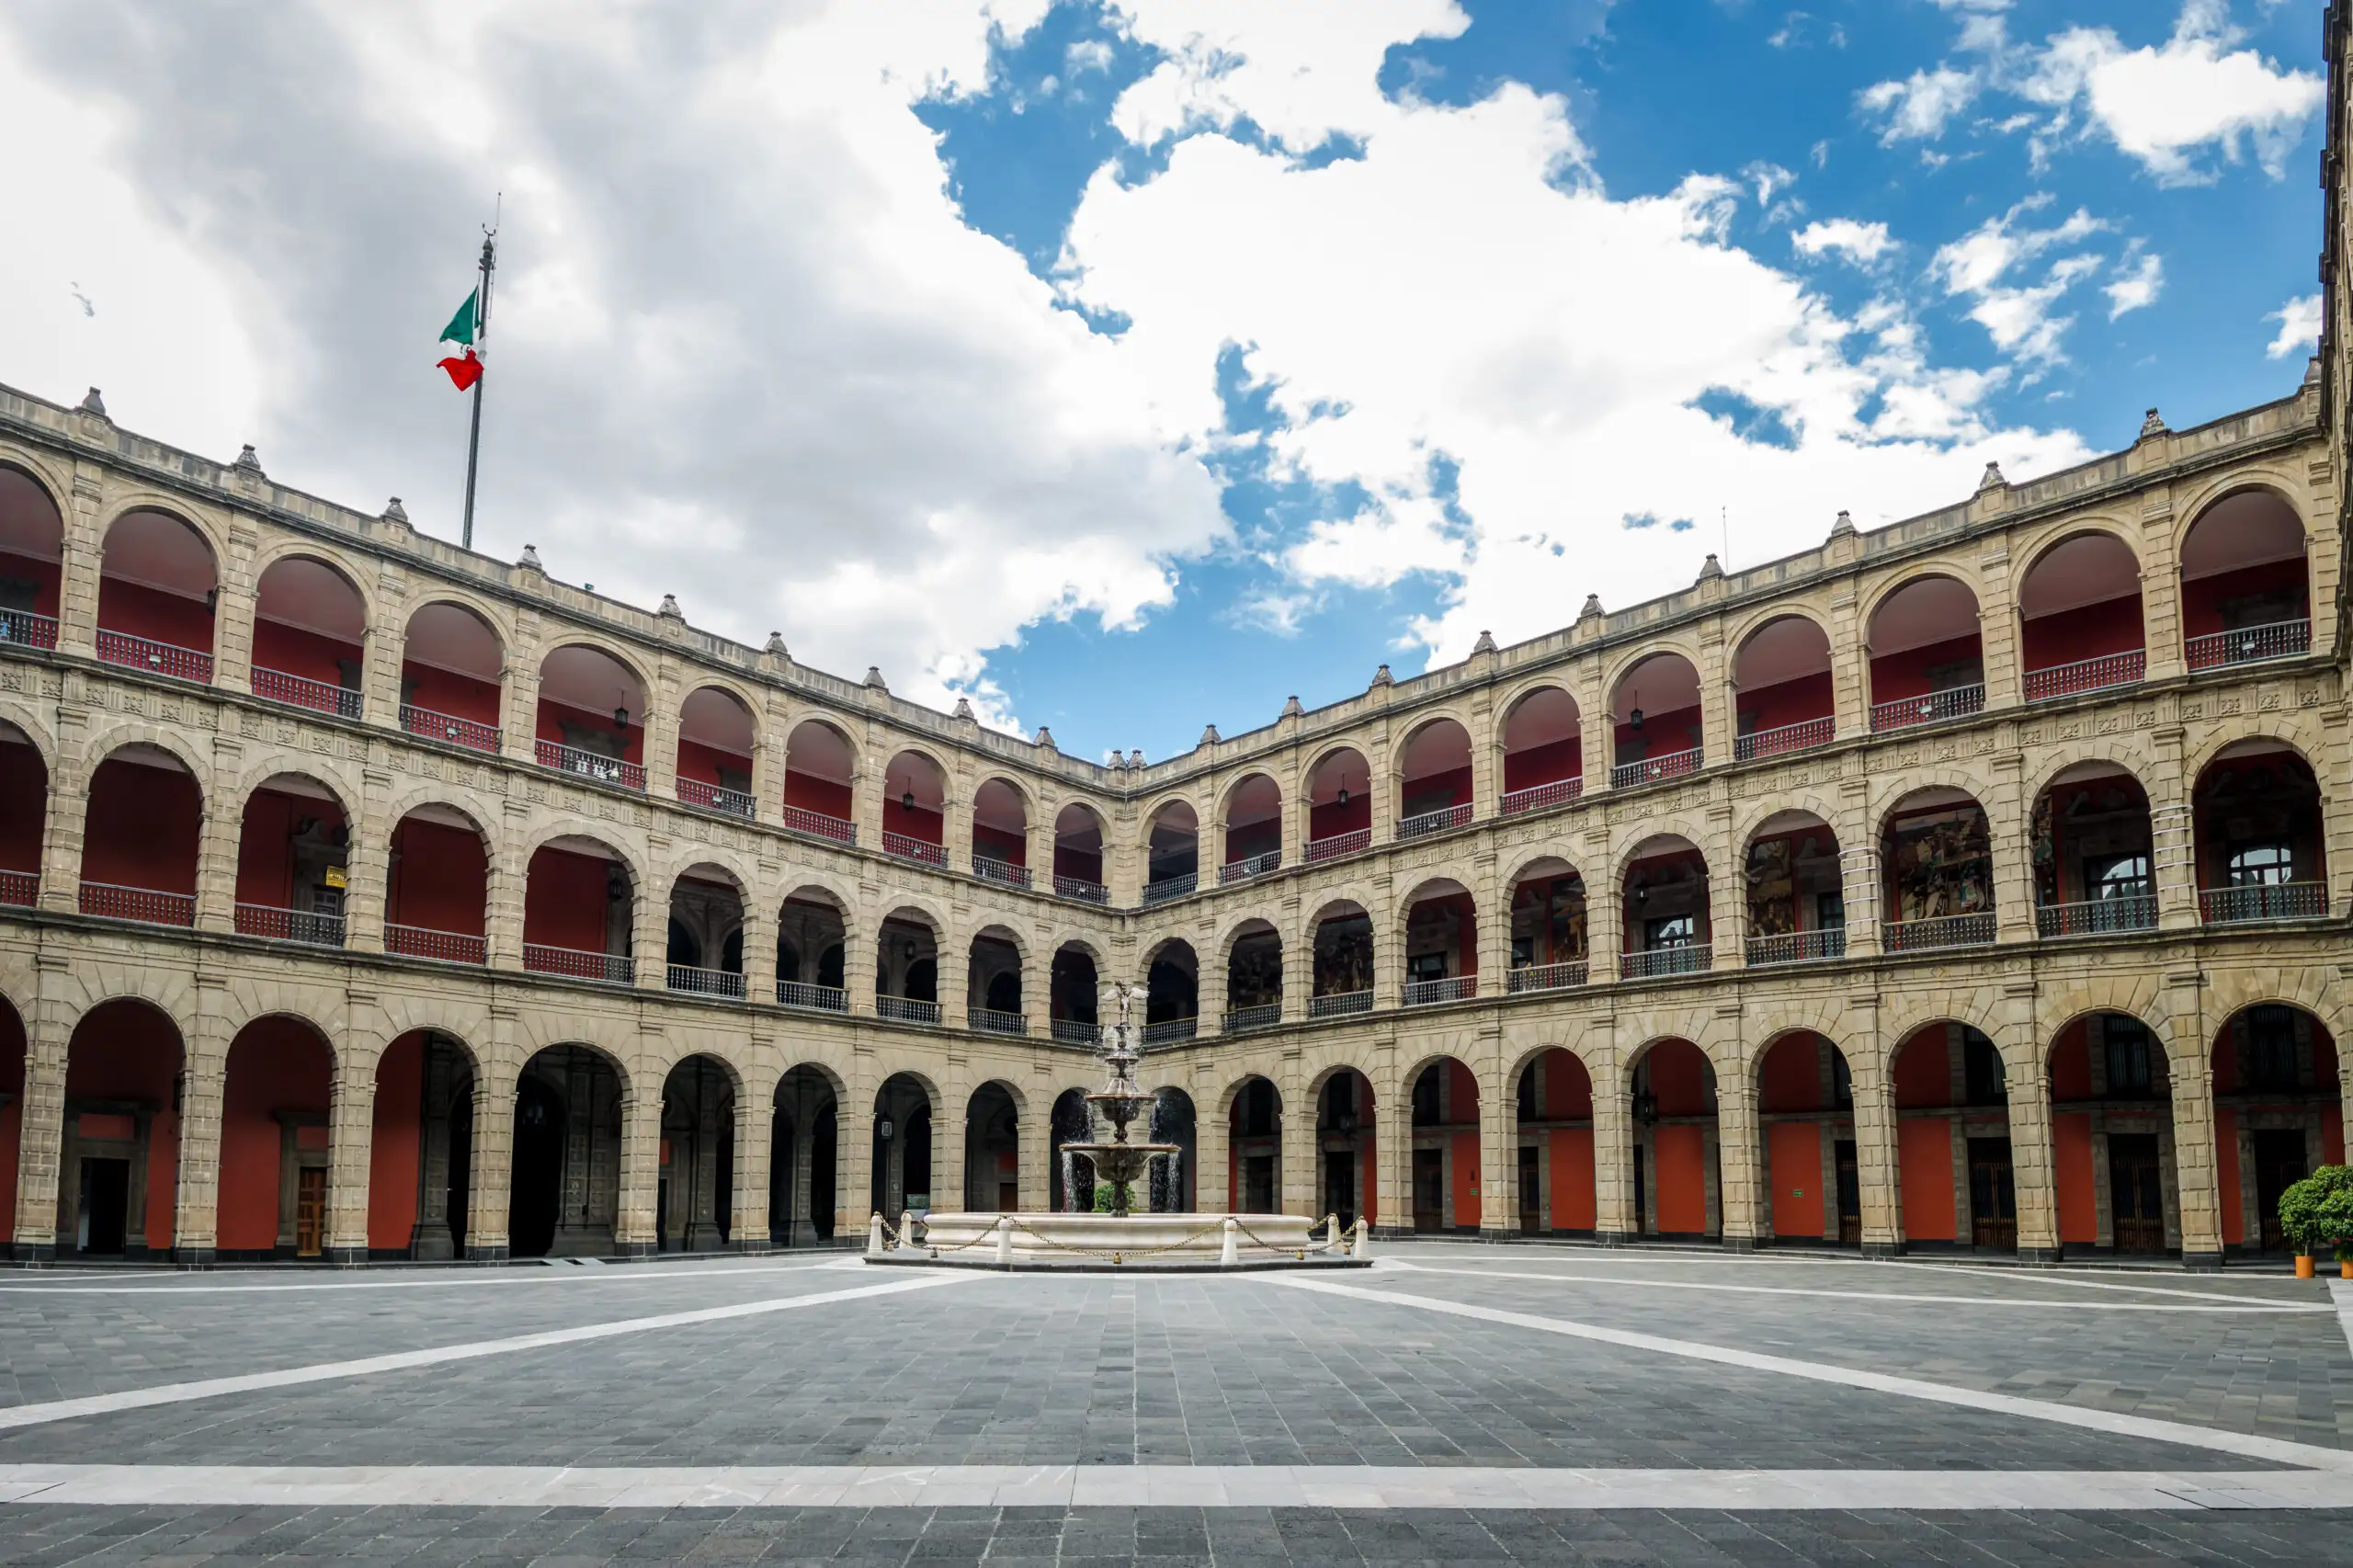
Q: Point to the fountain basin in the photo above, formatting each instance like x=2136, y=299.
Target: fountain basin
x=1167, y=1242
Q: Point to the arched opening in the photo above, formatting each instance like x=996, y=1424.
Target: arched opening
x=142, y=819
x=2111, y=1132
x=2094, y=853
x=804, y=1161
x=1254, y=829
x=992, y=1151
x=592, y=717
x=1781, y=696
x=694, y=1199
x=117, y=1166
x=2246, y=583
x=437, y=887
x=1548, y=931
x=1172, y=853
x=33, y=546
x=1254, y=1176
x=158, y=588
x=1806, y=1105
x=1953, y=1140
x=706, y=935
x=915, y=809
x=1345, y=1148
x=2256, y=814
x=1557, y=1194
x=451, y=664
x=1797, y=902
x=1340, y=805
x=1937, y=849
x=1074, y=983
x=11, y=1116
x=820, y=777
x=1173, y=1186
x=1001, y=835
x=715, y=740
x=24, y=814
x=1343, y=982
x=1254, y=978
x=1544, y=752
x=309, y=637
x=1927, y=654
x=1434, y=779
x=1445, y=1099
x=1172, y=994
x=294, y=854
x=810, y=952
x=1678, y=1191
x=2079, y=617
x=1442, y=944
x=564, y=1191
x=992, y=1001
x=274, y=1156
x=580, y=912
x=2278, y=1117
x=1666, y=899
x=902, y=1179
x=906, y=971
x=1655, y=729
x=416, y=1152
x=1078, y=855
x=1071, y=1178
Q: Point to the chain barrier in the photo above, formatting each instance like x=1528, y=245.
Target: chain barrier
x=895, y=1238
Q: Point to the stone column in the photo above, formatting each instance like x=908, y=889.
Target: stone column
x=1849, y=667
x=1605, y=908
x=1212, y=1144
x=1296, y=1192
x=1740, y=1155
x=232, y=633
x=861, y=952
x=351, y=1125
x=520, y=680
x=635, y=1231
x=1395, y=1153
x=956, y=828
x=490, y=1170
x=380, y=682
x=661, y=725
x=216, y=857
x=2033, y=1162
x=2172, y=833
x=759, y=948
x=1858, y=887
x=853, y=1144
x=40, y=1126
x=767, y=770
x=1998, y=625
x=204, y=1074
x=1718, y=718
x=1498, y=1144
x=66, y=816
x=749, y=1223
x=2007, y=810
x=1037, y=987
x=1876, y=1169
x=1727, y=885
x=503, y=892
x=951, y=1138
x=2197, y=1181
x=2160, y=594
x=650, y=934
x=80, y=564
x=1034, y=1125
x=429, y=1238
x=1614, y=1151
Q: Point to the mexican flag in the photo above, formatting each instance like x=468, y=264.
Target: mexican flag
x=465, y=365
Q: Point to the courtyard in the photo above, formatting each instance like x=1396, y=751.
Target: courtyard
x=1453, y=1404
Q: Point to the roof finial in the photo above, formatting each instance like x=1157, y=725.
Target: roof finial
x=395, y=513
x=93, y=403
x=1993, y=480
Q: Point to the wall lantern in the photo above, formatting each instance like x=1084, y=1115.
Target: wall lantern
x=621, y=719
x=1634, y=720
x=1647, y=1107
x=883, y=1130
x=908, y=800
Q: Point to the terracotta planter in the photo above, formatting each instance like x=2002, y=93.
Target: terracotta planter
x=2345, y=1271
x=2303, y=1266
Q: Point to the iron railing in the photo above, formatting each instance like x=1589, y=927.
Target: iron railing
x=588, y=765
x=1927, y=708
x=1453, y=988
x=1264, y=1016
x=289, y=925
x=722, y=983
x=2087, y=675
x=1535, y=796
x=1073, y=1031
x=711, y=797
x=2133, y=912
x=471, y=733
x=817, y=824
x=1651, y=769
x=907, y=848
x=1785, y=738
x=1168, y=1029
x=301, y=692
x=1339, y=1004
x=988, y=1020
x=110, y=901
x=2250, y=644
x=1560, y=976
x=25, y=630
x=1944, y=931
x=442, y=947
x=160, y=658
x=906, y=1010
x=1250, y=866
x=989, y=868
x=1082, y=890
x=609, y=969
x=1166, y=887
x=1423, y=823
x=1338, y=844
x=811, y=998
x=1693, y=958
x=20, y=888
x=2275, y=901
x=1798, y=946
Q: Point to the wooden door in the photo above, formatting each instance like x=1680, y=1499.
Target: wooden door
x=1429, y=1189
x=2279, y=1165
x=1993, y=1200
x=1532, y=1197
x=1850, y=1196
x=1340, y=1186
x=2136, y=1190
x=310, y=1210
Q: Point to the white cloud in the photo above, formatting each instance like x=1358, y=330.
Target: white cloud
x=2300, y=324
x=1856, y=240
x=2138, y=288
x=2018, y=316
x=1919, y=107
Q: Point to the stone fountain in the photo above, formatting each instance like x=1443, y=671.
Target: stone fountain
x=1119, y=1102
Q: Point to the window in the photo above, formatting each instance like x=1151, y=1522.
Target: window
x=2128, y=1050
x=1425, y=966
x=1670, y=931
x=2270, y=1048
x=1523, y=951
x=1426, y=1101
x=1982, y=1069
x=2262, y=866
x=1830, y=911
x=2119, y=876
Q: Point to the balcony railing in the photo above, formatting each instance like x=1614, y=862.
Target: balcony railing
x=907, y=848
x=25, y=630
x=146, y=905
x=1339, y=1004
x=988, y=1020
x=1169, y=1029
x=2087, y=675
x=1786, y=738
x=1945, y=931
x=906, y=1010
x=1536, y=797
x=1337, y=844
x=1073, y=1031
x=693, y=981
x=2134, y=912
x=610, y=969
x=160, y=658
x=811, y=998
x=2278, y=901
x=588, y=765
x=989, y=868
x=1453, y=988
x=1906, y=711
x=1798, y=946
x=1439, y=821
x=1166, y=887
x=470, y=734
x=289, y=925
x=442, y=947
x=1695, y=958
x=1545, y=977
x=1249, y=866
x=2250, y=644
x=711, y=797
x=20, y=888
x=1082, y=890
x=1651, y=769
x=301, y=692
x=1264, y=1016
x=817, y=824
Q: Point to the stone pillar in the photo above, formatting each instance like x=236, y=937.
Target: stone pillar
x=1394, y=1151
x=650, y=933
x=749, y=1223
x=204, y=1074
x=1213, y=1145
x=1498, y=1144
x=380, y=681
x=767, y=770
x=1718, y=719
x=956, y=829
x=1605, y=909
x=40, y=1126
x=1727, y=889
x=490, y=1170
x=1296, y=1192
x=521, y=683
x=1859, y=883
x=1037, y=987
x=2160, y=592
x=66, y=816
x=661, y=725
x=635, y=1231
x=216, y=857
x=1384, y=781
x=1997, y=627
x=854, y=1141
x=2196, y=1180
x=1038, y=849
x=1850, y=685
x=1740, y=1157
x=2172, y=833
x=860, y=956
x=1613, y=1151
x=429, y=1238
x=1034, y=1126
x=1877, y=1170
x=2033, y=1162
x=2007, y=810
x=954, y=965
x=1210, y=988
x=759, y=948
x=79, y=567
x=1491, y=896
x=351, y=1124
x=504, y=890
x=233, y=632
x=951, y=1129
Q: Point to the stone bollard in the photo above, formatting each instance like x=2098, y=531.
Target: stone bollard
x=1331, y=1234
x=907, y=1227
x=1363, y=1246
x=1005, y=1241
x=874, y=1235
x=1231, y=1253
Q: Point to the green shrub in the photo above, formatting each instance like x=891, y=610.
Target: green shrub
x=1104, y=1203
x=2320, y=1209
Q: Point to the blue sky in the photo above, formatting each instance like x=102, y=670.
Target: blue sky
x=1132, y=367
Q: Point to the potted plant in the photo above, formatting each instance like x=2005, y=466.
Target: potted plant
x=2320, y=1209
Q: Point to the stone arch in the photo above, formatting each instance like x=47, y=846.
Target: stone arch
x=1896, y=790
x=1875, y=597
x=33, y=729
x=1527, y=856
x=36, y=469
x=2104, y=996
x=103, y=743
x=1738, y=634
x=1652, y=831
x=568, y=635
x=2280, y=730
x=2034, y=547
x=1237, y=924
x=2206, y=493
x=193, y=519
x=329, y=557
x=490, y=612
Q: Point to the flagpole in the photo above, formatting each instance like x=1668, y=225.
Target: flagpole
x=481, y=337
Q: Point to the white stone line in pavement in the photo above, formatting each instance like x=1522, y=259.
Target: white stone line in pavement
x=2276, y=1450
x=1402, y=1267
x=168, y=1286
x=2340, y=1292
x=368, y=1366
x=1195, y=1486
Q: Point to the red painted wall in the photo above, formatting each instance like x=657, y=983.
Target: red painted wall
x=925, y=827
x=564, y=901
x=159, y=616
x=440, y=879
x=290, y=650
x=128, y=1050
x=1923, y=1070
x=1331, y=819
x=24, y=807
x=702, y=763
x=2071, y=1062
x=276, y=1064
x=395, y=1147
x=2226, y=1169
x=1573, y=1203
x=1790, y=1078
x=550, y=727
x=822, y=796
x=43, y=572
x=12, y=1090
x=143, y=828
x=1073, y=863
x=1679, y=1155
x=1679, y=1078
x=1568, y=1092
x=1906, y=674
x=2071, y=1137
x=1923, y=1158
x=2111, y=626
x=2200, y=598
x=1787, y=702
x=445, y=691
x=1435, y=791
x=1013, y=848
x=266, y=845
x=1466, y=1179
x=1665, y=733
x=1548, y=763
x=1793, y=1164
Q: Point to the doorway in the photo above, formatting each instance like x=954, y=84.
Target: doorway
x=2137, y=1192
x=2279, y=1165
x=1850, y=1196
x=1259, y=1183
x=310, y=1210
x=1341, y=1187
x=1531, y=1194
x=1993, y=1201
x=104, y=1196
x=1429, y=1189
x=538, y=1170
